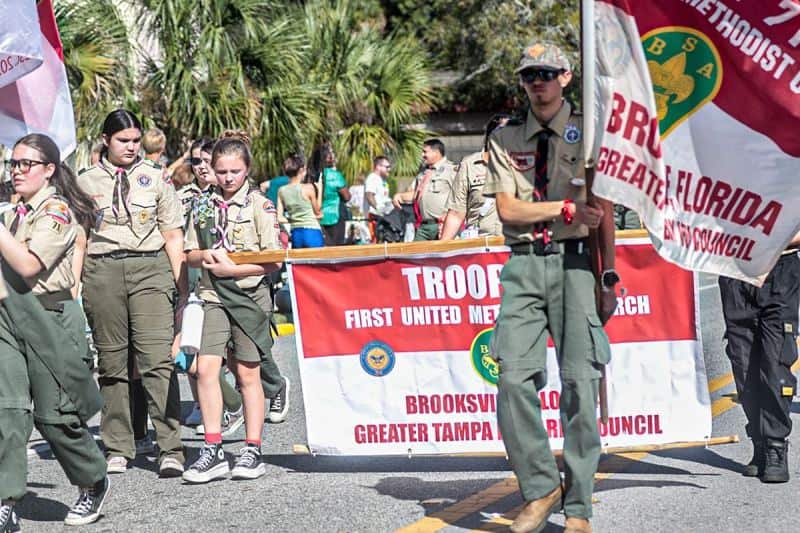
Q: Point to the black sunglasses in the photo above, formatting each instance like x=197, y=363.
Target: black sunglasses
x=545, y=74
x=195, y=161
x=24, y=165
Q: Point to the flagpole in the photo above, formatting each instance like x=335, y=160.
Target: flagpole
x=588, y=55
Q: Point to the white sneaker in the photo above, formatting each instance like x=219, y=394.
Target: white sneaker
x=195, y=417
x=279, y=405
x=170, y=467
x=116, y=465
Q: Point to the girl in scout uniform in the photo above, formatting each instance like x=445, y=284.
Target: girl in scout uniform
x=134, y=265
x=237, y=306
x=43, y=343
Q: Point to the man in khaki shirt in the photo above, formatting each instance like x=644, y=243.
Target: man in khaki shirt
x=536, y=174
x=467, y=201
x=429, y=191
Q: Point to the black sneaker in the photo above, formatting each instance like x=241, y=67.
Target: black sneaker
x=279, y=405
x=9, y=521
x=90, y=502
x=211, y=465
x=249, y=464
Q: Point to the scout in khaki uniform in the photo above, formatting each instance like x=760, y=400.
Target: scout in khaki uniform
x=43, y=342
x=467, y=205
x=237, y=307
x=536, y=175
x=429, y=191
x=135, y=258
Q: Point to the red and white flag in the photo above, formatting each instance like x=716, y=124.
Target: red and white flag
x=698, y=132
x=38, y=101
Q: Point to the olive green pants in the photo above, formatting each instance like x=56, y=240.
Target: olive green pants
x=24, y=378
x=129, y=302
x=427, y=232
x=554, y=294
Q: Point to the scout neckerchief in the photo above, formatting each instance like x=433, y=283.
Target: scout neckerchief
x=40, y=335
x=21, y=212
x=122, y=192
x=247, y=314
x=540, y=178
x=422, y=184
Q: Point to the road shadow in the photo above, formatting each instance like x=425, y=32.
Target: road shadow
x=705, y=456
x=37, y=509
x=362, y=464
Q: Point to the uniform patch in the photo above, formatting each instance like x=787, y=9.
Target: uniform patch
x=572, y=134
x=238, y=232
x=247, y=202
x=144, y=217
x=377, y=358
x=522, y=161
x=577, y=182
x=58, y=211
x=144, y=180
x=268, y=206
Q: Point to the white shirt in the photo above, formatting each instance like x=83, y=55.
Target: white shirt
x=377, y=186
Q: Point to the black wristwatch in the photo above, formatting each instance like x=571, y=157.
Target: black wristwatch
x=609, y=278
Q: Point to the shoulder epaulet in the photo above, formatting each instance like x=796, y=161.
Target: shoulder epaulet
x=152, y=164
x=85, y=170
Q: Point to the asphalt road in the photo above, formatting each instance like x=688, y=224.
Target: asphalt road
x=697, y=489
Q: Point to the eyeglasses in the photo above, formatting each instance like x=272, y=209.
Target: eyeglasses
x=24, y=165
x=195, y=161
x=544, y=74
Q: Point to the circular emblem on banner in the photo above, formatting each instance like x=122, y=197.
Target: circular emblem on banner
x=377, y=358
x=572, y=134
x=144, y=180
x=482, y=361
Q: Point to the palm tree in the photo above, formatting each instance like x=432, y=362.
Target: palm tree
x=98, y=56
x=376, y=86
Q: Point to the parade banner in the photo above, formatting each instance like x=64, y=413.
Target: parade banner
x=20, y=41
x=38, y=101
x=394, y=354
x=699, y=107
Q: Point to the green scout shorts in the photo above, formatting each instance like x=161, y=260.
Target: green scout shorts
x=219, y=329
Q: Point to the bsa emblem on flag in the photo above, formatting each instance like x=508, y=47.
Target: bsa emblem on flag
x=686, y=70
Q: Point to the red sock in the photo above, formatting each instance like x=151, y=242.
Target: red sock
x=256, y=443
x=213, y=438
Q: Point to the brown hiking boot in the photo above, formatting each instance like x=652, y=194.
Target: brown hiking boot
x=577, y=525
x=534, y=515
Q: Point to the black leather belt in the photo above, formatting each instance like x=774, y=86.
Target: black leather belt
x=123, y=254
x=539, y=247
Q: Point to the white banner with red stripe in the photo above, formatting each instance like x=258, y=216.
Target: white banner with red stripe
x=394, y=354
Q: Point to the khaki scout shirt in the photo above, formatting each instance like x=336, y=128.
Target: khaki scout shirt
x=512, y=151
x=252, y=226
x=468, y=196
x=433, y=201
x=49, y=231
x=153, y=204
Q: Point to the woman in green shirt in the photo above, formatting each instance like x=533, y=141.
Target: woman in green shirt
x=334, y=193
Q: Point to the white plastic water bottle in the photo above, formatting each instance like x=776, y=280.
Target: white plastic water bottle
x=408, y=236
x=192, y=326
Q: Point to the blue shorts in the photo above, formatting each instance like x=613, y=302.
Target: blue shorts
x=307, y=238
